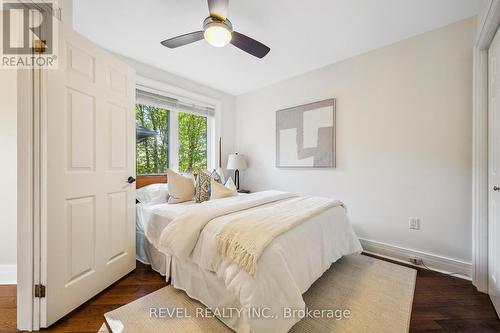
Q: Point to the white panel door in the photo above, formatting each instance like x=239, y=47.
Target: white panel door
x=494, y=173
x=89, y=237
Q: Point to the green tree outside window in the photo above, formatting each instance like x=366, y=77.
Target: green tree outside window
x=192, y=143
x=152, y=151
x=153, y=148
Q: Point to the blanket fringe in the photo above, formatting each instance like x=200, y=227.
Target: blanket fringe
x=244, y=239
x=230, y=248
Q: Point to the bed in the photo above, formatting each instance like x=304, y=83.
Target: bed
x=249, y=299
x=151, y=219
x=147, y=228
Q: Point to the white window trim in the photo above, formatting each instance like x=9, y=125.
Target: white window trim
x=213, y=124
x=173, y=141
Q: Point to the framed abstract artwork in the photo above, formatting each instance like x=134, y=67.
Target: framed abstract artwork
x=305, y=136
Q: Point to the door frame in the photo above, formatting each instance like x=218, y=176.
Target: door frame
x=31, y=131
x=27, y=149
x=30, y=182
x=488, y=24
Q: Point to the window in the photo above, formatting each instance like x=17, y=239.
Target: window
x=152, y=139
x=192, y=142
x=172, y=134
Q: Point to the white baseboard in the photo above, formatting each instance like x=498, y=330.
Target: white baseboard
x=434, y=262
x=8, y=274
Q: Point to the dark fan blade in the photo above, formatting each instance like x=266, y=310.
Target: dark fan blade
x=249, y=45
x=218, y=8
x=183, y=39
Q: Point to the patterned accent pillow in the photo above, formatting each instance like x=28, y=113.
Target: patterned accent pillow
x=215, y=175
x=202, y=187
x=221, y=174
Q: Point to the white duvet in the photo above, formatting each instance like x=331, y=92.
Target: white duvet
x=286, y=269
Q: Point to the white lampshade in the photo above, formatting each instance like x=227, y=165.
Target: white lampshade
x=236, y=162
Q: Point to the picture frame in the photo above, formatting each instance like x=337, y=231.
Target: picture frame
x=305, y=135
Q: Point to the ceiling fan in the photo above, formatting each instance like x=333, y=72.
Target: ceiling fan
x=218, y=31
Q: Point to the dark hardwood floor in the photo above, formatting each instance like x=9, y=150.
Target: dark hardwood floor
x=448, y=304
x=89, y=317
x=441, y=304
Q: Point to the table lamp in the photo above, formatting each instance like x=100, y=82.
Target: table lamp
x=236, y=162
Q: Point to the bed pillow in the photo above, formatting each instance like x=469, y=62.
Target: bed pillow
x=217, y=177
x=202, y=187
x=219, y=191
x=180, y=188
x=221, y=175
x=230, y=185
x=153, y=194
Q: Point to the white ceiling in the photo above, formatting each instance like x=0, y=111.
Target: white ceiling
x=302, y=35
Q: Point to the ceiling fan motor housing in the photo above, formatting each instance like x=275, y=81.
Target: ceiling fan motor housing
x=212, y=21
x=217, y=32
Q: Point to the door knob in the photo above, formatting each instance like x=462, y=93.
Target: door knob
x=130, y=180
x=496, y=188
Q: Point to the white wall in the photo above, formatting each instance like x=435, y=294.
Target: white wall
x=403, y=139
x=228, y=102
x=8, y=175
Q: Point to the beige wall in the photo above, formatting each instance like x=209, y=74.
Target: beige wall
x=8, y=175
x=403, y=139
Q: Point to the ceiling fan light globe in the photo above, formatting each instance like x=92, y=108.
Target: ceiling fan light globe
x=217, y=35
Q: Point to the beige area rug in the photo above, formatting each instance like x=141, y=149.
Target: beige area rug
x=377, y=294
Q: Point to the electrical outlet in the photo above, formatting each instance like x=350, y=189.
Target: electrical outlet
x=416, y=261
x=414, y=223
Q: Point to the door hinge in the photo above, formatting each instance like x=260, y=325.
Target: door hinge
x=39, y=290
x=40, y=46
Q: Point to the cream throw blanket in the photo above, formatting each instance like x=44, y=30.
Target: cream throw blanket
x=181, y=235
x=246, y=236
x=251, y=222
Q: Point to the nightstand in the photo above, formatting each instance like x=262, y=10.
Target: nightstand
x=244, y=191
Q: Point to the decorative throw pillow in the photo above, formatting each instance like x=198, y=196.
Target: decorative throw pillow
x=219, y=191
x=202, y=187
x=221, y=174
x=230, y=185
x=215, y=175
x=180, y=188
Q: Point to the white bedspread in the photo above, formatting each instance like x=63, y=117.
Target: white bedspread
x=247, y=233
x=286, y=269
x=152, y=219
x=181, y=235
